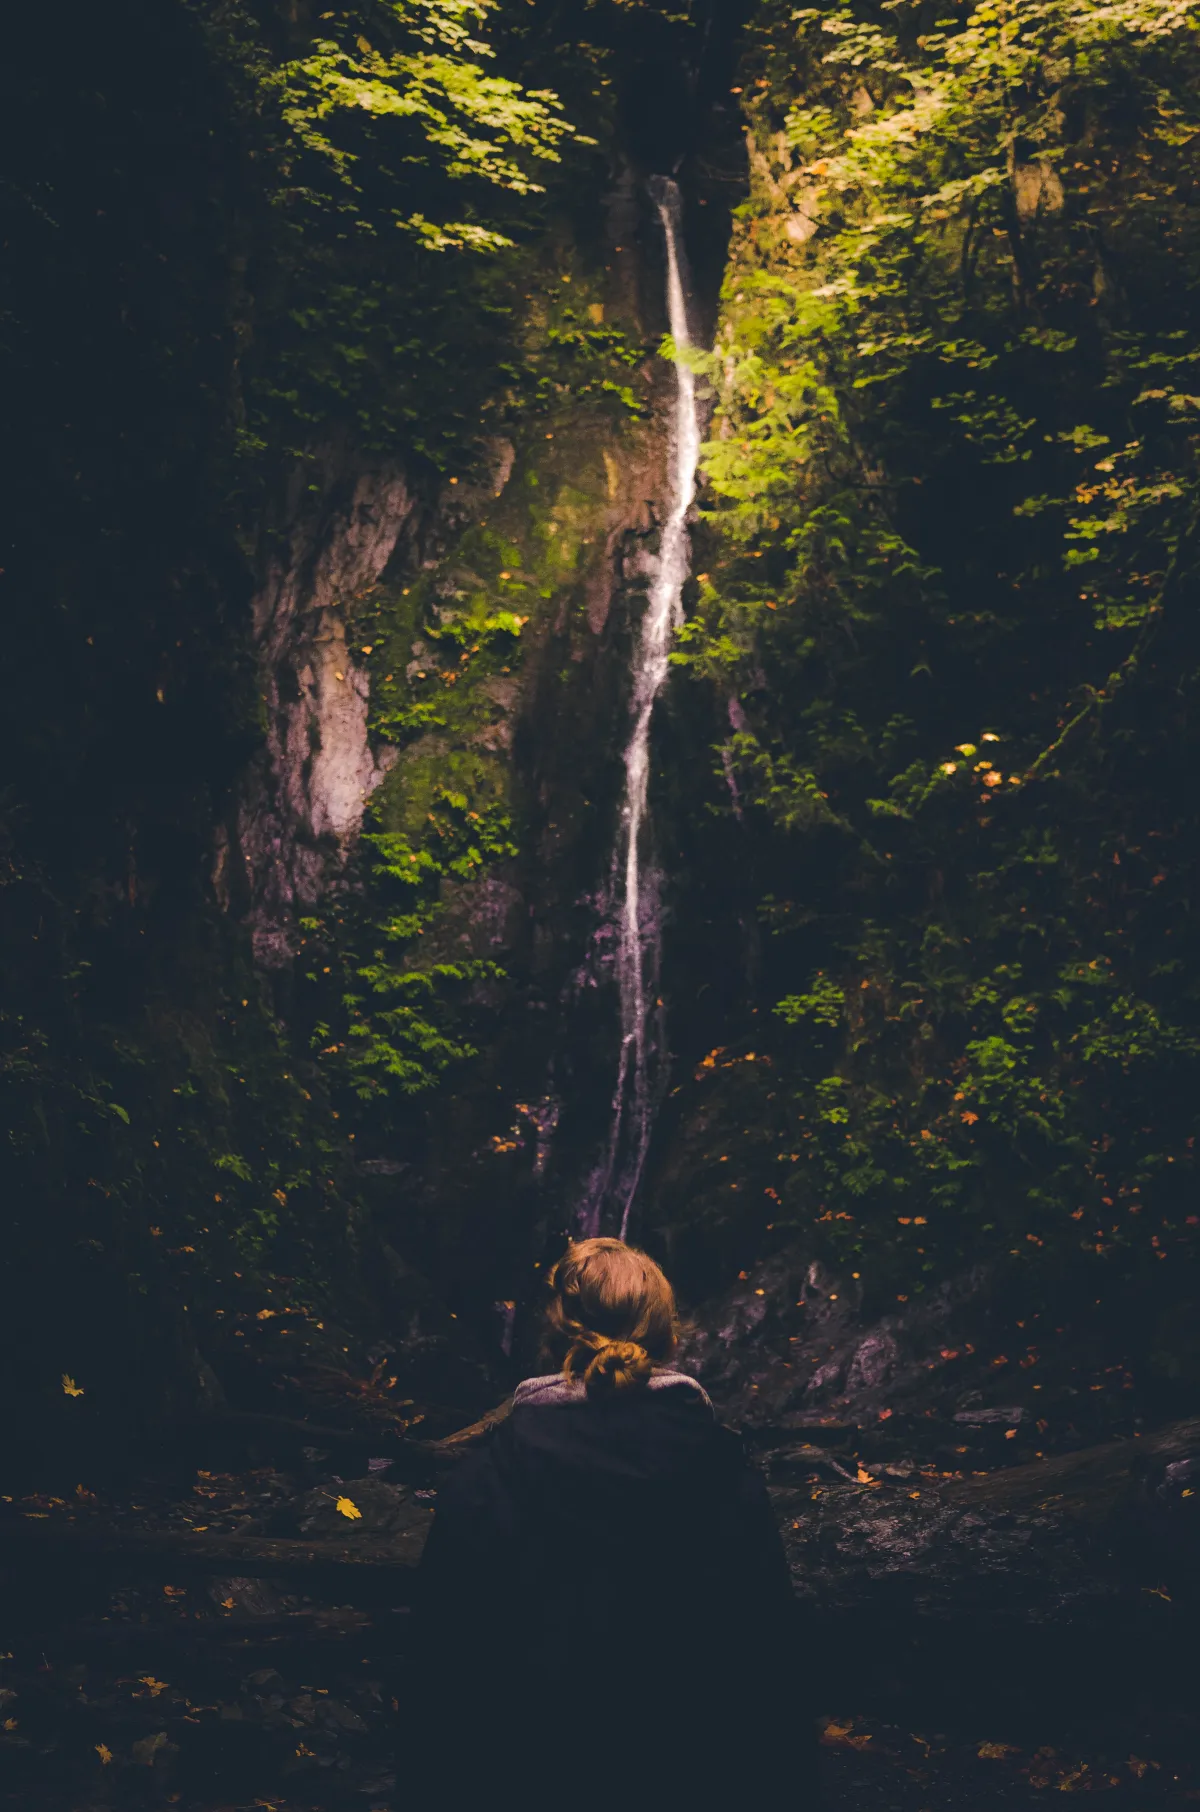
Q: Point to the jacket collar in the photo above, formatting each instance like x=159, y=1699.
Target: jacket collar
x=553, y=1388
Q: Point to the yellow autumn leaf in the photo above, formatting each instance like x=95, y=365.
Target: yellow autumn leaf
x=156, y=1686
x=996, y=1752
x=839, y=1736
x=69, y=1386
x=10, y=1724
x=349, y=1509
x=104, y=1752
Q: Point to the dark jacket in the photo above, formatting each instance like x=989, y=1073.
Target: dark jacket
x=605, y=1614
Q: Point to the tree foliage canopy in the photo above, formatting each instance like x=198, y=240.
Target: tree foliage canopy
x=414, y=99
x=952, y=495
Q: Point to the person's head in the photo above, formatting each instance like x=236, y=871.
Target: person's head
x=611, y=1317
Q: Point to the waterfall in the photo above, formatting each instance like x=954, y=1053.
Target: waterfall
x=634, y=881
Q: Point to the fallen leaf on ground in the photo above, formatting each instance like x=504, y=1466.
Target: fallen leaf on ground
x=104, y=1752
x=348, y=1508
x=70, y=1388
x=147, y=1748
x=839, y=1736
x=996, y=1752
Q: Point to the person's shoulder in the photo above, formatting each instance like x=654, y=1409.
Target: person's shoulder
x=547, y=1392
x=553, y=1390
x=475, y=1478
x=679, y=1402
x=667, y=1379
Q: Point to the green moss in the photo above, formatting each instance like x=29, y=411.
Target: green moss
x=447, y=648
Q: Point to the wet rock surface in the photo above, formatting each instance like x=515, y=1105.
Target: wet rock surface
x=983, y=1505
x=303, y=800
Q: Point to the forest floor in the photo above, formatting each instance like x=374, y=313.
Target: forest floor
x=223, y=1625
x=143, y=1683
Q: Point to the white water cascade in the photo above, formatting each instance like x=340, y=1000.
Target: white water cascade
x=634, y=882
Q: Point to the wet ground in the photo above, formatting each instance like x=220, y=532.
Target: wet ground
x=209, y=1691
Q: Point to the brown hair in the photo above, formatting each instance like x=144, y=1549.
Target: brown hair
x=611, y=1317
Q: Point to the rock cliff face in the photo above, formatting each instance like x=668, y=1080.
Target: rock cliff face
x=468, y=650
x=565, y=543
x=303, y=801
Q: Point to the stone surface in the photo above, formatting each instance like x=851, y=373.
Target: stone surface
x=302, y=803
x=885, y=1442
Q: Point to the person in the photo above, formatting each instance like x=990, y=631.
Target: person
x=605, y=1614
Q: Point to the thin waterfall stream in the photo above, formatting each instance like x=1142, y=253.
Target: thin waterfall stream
x=635, y=881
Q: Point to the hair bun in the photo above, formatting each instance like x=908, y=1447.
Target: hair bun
x=618, y=1365
x=610, y=1316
